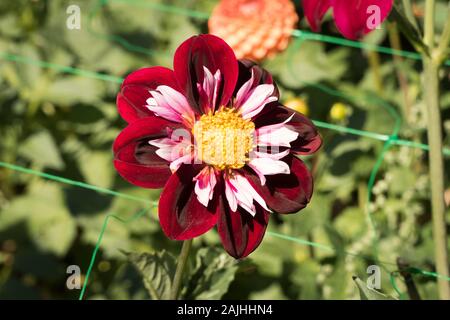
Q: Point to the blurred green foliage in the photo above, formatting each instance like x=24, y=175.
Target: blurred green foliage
x=65, y=124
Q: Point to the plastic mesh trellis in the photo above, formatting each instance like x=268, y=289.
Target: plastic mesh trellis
x=388, y=140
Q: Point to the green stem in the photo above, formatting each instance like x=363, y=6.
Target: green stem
x=410, y=14
x=374, y=63
x=182, y=260
x=394, y=39
x=430, y=6
x=436, y=163
x=443, y=48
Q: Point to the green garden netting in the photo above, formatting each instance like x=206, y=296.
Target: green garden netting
x=299, y=36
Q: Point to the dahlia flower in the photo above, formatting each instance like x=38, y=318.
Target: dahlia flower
x=353, y=18
x=213, y=135
x=255, y=29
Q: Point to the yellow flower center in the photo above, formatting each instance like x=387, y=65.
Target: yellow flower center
x=224, y=139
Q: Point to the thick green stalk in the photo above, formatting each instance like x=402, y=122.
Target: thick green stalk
x=431, y=92
x=182, y=260
x=436, y=174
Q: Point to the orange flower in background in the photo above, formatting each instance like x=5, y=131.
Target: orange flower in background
x=418, y=11
x=255, y=29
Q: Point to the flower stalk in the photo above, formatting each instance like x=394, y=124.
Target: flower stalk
x=431, y=65
x=374, y=63
x=181, y=266
x=410, y=13
x=394, y=39
x=443, y=48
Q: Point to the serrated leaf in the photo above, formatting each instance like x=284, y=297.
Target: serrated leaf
x=367, y=293
x=129, y=19
x=74, y=89
x=212, y=275
x=42, y=150
x=157, y=270
x=31, y=75
x=117, y=237
x=308, y=63
x=96, y=168
x=49, y=223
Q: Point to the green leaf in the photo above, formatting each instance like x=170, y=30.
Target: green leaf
x=116, y=238
x=42, y=266
x=403, y=179
x=273, y=292
x=49, y=223
x=337, y=282
x=42, y=150
x=407, y=27
x=304, y=278
x=213, y=274
x=74, y=89
x=315, y=214
x=157, y=270
x=351, y=222
x=96, y=168
x=336, y=239
x=376, y=37
x=13, y=288
x=367, y=293
x=86, y=115
x=309, y=63
x=130, y=19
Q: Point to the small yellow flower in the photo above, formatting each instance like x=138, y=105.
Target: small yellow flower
x=104, y=266
x=300, y=255
x=340, y=112
x=298, y=105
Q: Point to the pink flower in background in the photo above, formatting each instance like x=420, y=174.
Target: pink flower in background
x=353, y=18
x=213, y=135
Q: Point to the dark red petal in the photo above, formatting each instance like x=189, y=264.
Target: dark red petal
x=355, y=18
x=181, y=216
x=286, y=193
x=209, y=51
x=315, y=10
x=134, y=92
x=241, y=233
x=308, y=141
x=261, y=74
x=136, y=160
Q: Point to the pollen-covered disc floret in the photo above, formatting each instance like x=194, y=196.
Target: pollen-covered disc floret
x=224, y=139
